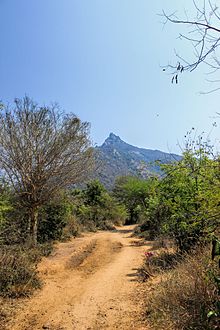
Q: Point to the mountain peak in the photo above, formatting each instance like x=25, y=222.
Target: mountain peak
x=112, y=138
x=119, y=158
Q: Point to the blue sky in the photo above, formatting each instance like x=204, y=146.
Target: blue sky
x=101, y=59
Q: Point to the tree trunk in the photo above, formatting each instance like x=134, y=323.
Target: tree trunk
x=33, y=227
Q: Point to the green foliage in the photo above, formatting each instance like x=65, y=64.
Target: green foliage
x=95, y=193
x=185, y=203
x=5, y=206
x=135, y=194
x=95, y=208
x=5, y=200
x=10, y=231
x=53, y=218
x=190, y=192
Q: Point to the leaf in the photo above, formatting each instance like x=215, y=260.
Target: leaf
x=211, y=314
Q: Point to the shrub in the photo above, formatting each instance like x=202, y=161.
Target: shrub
x=18, y=274
x=184, y=204
x=72, y=228
x=52, y=220
x=95, y=208
x=157, y=263
x=14, y=227
x=53, y=217
x=185, y=296
x=134, y=193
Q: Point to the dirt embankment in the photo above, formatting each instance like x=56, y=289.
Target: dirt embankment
x=90, y=283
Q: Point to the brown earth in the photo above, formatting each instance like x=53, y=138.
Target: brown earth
x=90, y=283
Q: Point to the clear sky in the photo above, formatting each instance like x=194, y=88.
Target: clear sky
x=101, y=59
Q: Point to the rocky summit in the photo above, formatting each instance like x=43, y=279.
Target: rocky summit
x=117, y=158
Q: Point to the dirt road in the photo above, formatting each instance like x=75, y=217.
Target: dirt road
x=89, y=283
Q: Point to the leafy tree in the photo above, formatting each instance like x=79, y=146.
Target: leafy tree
x=94, y=193
x=96, y=208
x=190, y=194
x=135, y=194
x=185, y=203
x=53, y=219
x=42, y=150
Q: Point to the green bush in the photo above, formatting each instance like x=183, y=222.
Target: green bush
x=190, y=193
x=52, y=220
x=184, y=204
x=6, y=208
x=134, y=193
x=95, y=208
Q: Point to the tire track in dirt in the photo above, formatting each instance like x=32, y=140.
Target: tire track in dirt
x=90, y=283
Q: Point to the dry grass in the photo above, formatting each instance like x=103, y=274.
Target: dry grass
x=157, y=261
x=184, y=296
x=72, y=229
x=18, y=275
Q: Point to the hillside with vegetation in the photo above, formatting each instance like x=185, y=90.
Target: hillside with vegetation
x=118, y=158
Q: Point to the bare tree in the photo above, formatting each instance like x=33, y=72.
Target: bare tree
x=203, y=34
x=42, y=150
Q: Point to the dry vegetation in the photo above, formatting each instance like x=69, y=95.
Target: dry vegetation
x=181, y=291
x=18, y=274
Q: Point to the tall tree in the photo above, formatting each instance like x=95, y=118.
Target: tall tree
x=42, y=150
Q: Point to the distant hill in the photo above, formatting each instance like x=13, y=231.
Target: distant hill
x=116, y=157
